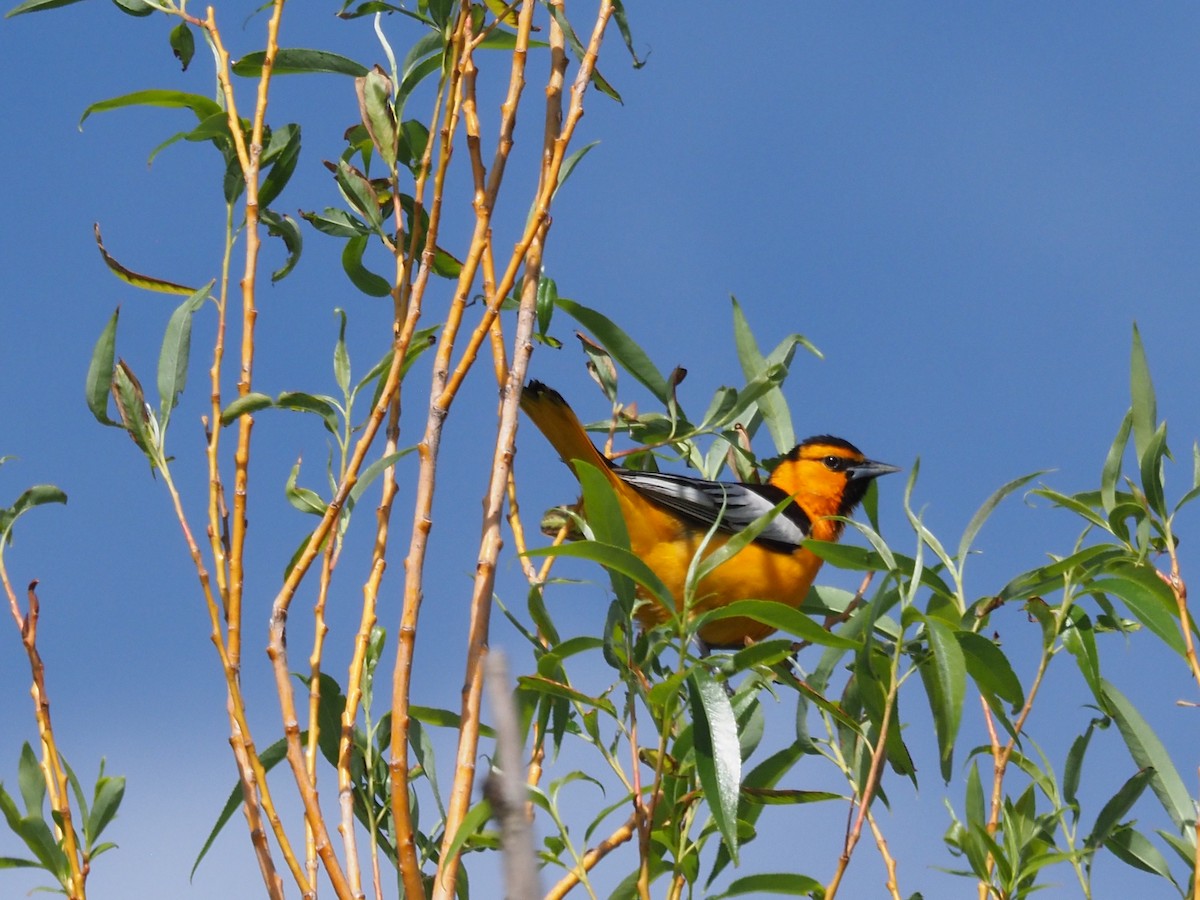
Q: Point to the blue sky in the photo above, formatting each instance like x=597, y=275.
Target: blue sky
x=965, y=207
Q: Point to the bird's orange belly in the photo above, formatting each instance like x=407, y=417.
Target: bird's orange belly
x=755, y=573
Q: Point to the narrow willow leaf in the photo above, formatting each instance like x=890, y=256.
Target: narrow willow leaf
x=783, y=618
x=299, y=61
x=547, y=297
x=336, y=223
x=358, y=191
x=608, y=524
x=623, y=348
x=1073, y=768
x=990, y=668
x=311, y=403
x=1148, y=752
x=788, y=884
x=202, y=106
x=1152, y=471
x=147, y=282
x=341, y=356
x=183, y=44
x=1141, y=388
x=175, y=352
x=1111, y=472
x=718, y=754
x=945, y=677
x=303, y=499
x=615, y=559
x=1117, y=807
x=1148, y=598
x=601, y=83
x=38, y=495
x=110, y=791
x=100, y=372
x=132, y=407
x=984, y=511
x=1133, y=849
x=539, y=685
x=29, y=6
x=269, y=758
x=374, y=92
x=286, y=229
x=37, y=836
x=249, y=403
x=366, y=281
x=1080, y=641
x=279, y=160
x=772, y=404
x=31, y=781
x=569, y=164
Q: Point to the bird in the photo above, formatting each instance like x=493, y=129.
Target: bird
x=667, y=517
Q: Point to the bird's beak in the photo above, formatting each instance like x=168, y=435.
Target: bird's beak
x=868, y=469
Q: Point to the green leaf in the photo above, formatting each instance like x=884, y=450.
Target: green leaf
x=311, y=403
x=771, y=883
x=183, y=44
x=303, y=499
x=569, y=164
x=541, y=685
x=29, y=6
x=990, y=668
x=772, y=405
x=984, y=511
x=1111, y=473
x=1133, y=849
x=286, y=229
x=137, y=279
x=1080, y=641
x=1152, y=471
x=281, y=155
x=1141, y=388
x=1117, y=807
x=336, y=223
x=176, y=349
x=269, y=758
x=945, y=678
x=615, y=559
x=135, y=414
x=1149, y=753
x=366, y=281
x=37, y=836
x=783, y=618
x=1148, y=598
x=341, y=356
x=299, y=61
x=38, y=495
x=202, y=106
x=378, y=116
x=718, y=754
x=139, y=8
x=358, y=191
x=100, y=372
x=31, y=781
x=250, y=403
x=622, y=347
x=110, y=791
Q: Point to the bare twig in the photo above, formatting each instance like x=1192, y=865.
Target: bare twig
x=505, y=787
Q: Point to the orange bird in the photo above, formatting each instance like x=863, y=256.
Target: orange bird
x=667, y=517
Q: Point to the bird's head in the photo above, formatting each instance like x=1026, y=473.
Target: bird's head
x=827, y=476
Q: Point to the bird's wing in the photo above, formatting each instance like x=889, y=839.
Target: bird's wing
x=732, y=505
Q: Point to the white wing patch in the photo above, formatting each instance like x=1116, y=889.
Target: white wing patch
x=735, y=505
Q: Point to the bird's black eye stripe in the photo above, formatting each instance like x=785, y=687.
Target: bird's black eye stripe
x=835, y=463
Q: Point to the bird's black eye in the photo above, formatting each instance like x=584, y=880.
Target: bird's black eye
x=834, y=463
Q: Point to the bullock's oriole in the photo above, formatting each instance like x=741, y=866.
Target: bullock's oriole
x=667, y=517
